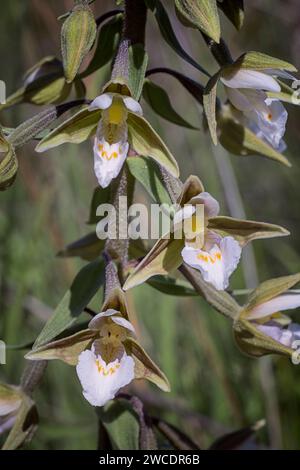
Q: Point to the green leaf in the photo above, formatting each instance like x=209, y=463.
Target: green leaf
x=172, y=286
x=240, y=140
x=138, y=60
x=100, y=196
x=145, y=368
x=108, y=40
x=147, y=172
x=234, y=10
x=121, y=424
x=209, y=105
x=269, y=289
x=88, y=248
x=75, y=130
x=201, y=14
x=163, y=258
x=84, y=287
x=257, y=61
x=146, y=142
x=169, y=35
x=77, y=37
x=8, y=163
x=65, y=349
x=159, y=101
x=24, y=426
x=245, y=230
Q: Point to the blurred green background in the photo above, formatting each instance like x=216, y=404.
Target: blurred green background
x=214, y=387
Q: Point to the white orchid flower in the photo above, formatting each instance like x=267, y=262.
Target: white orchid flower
x=215, y=257
x=110, y=144
x=270, y=321
x=105, y=368
x=247, y=92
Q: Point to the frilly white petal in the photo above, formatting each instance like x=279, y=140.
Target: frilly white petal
x=99, y=388
x=101, y=102
x=108, y=169
x=217, y=264
x=133, y=105
x=252, y=79
x=282, y=302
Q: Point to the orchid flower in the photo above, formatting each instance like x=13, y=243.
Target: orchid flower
x=105, y=367
x=247, y=91
x=106, y=355
x=268, y=318
x=214, y=256
x=210, y=243
x=111, y=141
x=10, y=402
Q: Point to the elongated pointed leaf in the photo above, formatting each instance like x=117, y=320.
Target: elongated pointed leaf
x=209, y=105
x=84, y=287
x=272, y=288
x=163, y=258
x=88, y=248
x=245, y=230
x=146, y=142
x=138, y=61
x=108, y=39
x=77, y=37
x=75, y=130
x=234, y=10
x=147, y=172
x=236, y=439
x=121, y=424
x=172, y=286
x=239, y=140
x=145, y=368
x=168, y=33
x=66, y=349
x=159, y=101
x=201, y=14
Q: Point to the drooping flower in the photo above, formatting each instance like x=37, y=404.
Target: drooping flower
x=268, y=318
x=106, y=355
x=207, y=242
x=10, y=402
x=111, y=141
x=263, y=327
x=116, y=119
x=266, y=117
x=105, y=367
x=216, y=257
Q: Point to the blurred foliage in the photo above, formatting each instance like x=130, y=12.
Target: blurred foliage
x=215, y=389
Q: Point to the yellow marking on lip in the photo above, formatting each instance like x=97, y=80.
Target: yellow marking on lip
x=209, y=258
x=106, y=371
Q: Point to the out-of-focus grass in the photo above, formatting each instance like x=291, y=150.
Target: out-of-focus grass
x=48, y=206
